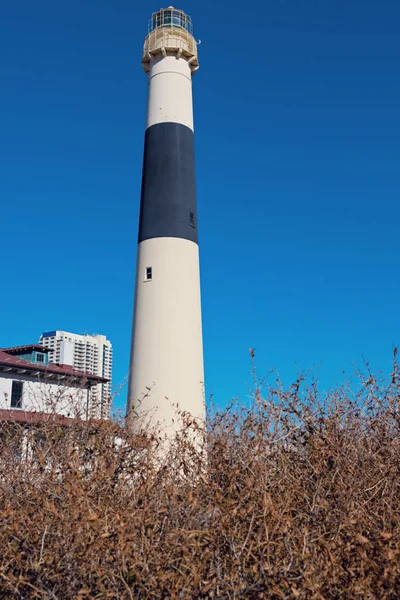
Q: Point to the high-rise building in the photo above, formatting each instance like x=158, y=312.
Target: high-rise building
x=166, y=369
x=87, y=353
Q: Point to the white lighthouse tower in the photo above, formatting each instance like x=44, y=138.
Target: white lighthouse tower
x=166, y=367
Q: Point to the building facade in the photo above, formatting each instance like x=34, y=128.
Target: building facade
x=29, y=383
x=87, y=353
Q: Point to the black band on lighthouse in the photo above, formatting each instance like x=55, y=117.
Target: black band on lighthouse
x=168, y=201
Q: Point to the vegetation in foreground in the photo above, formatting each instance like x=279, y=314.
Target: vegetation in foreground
x=299, y=498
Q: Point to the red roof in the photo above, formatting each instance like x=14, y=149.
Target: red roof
x=15, y=363
x=27, y=348
x=25, y=416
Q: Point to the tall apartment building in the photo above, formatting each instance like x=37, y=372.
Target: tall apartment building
x=87, y=353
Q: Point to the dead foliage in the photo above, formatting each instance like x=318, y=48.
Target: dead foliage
x=299, y=497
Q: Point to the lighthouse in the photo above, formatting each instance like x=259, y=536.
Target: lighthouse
x=166, y=377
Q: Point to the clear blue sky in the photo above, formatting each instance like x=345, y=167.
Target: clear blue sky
x=298, y=167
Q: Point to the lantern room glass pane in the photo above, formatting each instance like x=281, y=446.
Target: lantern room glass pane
x=171, y=18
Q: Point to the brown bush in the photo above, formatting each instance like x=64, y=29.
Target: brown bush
x=299, y=498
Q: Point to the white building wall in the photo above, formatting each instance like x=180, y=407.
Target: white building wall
x=45, y=396
x=90, y=354
x=66, y=353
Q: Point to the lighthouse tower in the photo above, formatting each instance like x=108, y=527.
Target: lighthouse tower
x=166, y=367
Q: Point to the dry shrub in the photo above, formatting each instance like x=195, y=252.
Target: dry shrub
x=299, y=498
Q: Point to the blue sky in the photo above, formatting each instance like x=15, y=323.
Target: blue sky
x=298, y=168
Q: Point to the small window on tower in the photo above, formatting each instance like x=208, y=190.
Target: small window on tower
x=149, y=273
x=191, y=220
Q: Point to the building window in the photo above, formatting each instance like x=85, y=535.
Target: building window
x=39, y=357
x=191, y=220
x=149, y=273
x=16, y=394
